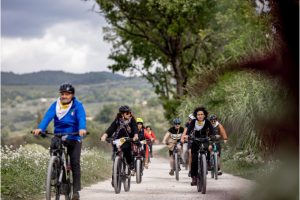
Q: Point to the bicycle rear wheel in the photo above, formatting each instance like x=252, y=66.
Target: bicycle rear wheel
x=52, y=188
x=176, y=163
x=117, y=174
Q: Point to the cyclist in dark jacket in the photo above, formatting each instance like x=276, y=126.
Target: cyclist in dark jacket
x=124, y=125
x=200, y=128
x=69, y=117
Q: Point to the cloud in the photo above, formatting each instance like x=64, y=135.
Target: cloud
x=52, y=35
x=70, y=46
x=30, y=18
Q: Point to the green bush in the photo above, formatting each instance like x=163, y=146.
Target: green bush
x=242, y=101
x=23, y=171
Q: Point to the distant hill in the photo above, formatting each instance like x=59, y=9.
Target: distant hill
x=57, y=77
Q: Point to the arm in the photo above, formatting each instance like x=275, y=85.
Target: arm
x=222, y=132
x=111, y=129
x=153, y=135
x=165, y=137
x=81, y=116
x=50, y=114
x=134, y=129
x=183, y=136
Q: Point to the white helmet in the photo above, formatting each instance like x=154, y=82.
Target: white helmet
x=191, y=116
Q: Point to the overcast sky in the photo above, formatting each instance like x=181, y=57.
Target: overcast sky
x=52, y=35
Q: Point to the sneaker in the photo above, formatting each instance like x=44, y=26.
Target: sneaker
x=194, y=181
x=171, y=172
x=75, y=196
x=220, y=172
x=132, y=172
x=146, y=165
x=189, y=175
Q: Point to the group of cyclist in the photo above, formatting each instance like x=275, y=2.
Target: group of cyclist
x=199, y=125
x=69, y=117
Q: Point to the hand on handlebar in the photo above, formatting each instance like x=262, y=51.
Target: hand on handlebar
x=82, y=132
x=103, y=138
x=36, y=132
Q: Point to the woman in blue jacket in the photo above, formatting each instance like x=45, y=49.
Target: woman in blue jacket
x=69, y=117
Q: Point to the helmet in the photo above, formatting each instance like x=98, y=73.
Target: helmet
x=213, y=117
x=139, y=120
x=191, y=116
x=124, y=108
x=176, y=121
x=67, y=87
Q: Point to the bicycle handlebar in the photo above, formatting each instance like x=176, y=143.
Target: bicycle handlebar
x=44, y=134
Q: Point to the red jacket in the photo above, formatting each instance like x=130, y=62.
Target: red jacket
x=151, y=134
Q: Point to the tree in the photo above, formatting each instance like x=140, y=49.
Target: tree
x=167, y=41
x=106, y=114
x=162, y=35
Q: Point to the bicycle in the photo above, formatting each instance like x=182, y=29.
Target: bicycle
x=214, y=157
x=185, y=155
x=137, y=149
x=202, y=163
x=59, y=174
x=176, y=158
x=121, y=170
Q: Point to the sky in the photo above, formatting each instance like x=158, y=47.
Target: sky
x=52, y=35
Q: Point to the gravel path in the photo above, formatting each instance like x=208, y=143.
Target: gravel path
x=158, y=184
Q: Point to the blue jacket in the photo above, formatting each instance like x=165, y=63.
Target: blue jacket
x=72, y=122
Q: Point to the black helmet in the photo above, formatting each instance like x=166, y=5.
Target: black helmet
x=124, y=108
x=67, y=87
x=176, y=121
x=213, y=117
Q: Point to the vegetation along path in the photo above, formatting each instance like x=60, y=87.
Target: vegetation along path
x=158, y=184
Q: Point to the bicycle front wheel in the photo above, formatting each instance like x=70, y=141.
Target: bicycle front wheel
x=176, y=163
x=117, y=174
x=216, y=165
x=203, y=172
x=138, y=171
x=52, y=186
x=126, y=177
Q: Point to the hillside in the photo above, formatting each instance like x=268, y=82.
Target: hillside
x=57, y=77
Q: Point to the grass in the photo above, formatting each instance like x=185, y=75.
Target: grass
x=23, y=171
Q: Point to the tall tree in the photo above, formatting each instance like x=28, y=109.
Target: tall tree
x=157, y=38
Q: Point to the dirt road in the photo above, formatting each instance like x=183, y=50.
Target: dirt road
x=158, y=184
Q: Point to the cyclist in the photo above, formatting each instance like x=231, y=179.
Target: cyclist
x=69, y=117
x=186, y=143
x=152, y=134
x=143, y=134
x=220, y=132
x=200, y=128
x=171, y=138
x=124, y=125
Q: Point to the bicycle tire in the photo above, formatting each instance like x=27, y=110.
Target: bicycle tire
x=203, y=173
x=199, y=179
x=176, y=163
x=126, y=177
x=216, y=165
x=117, y=174
x=138, y=171
x=52, y=177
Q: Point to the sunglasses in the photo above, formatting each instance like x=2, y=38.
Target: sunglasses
x=127, y=113
x=177, y=124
